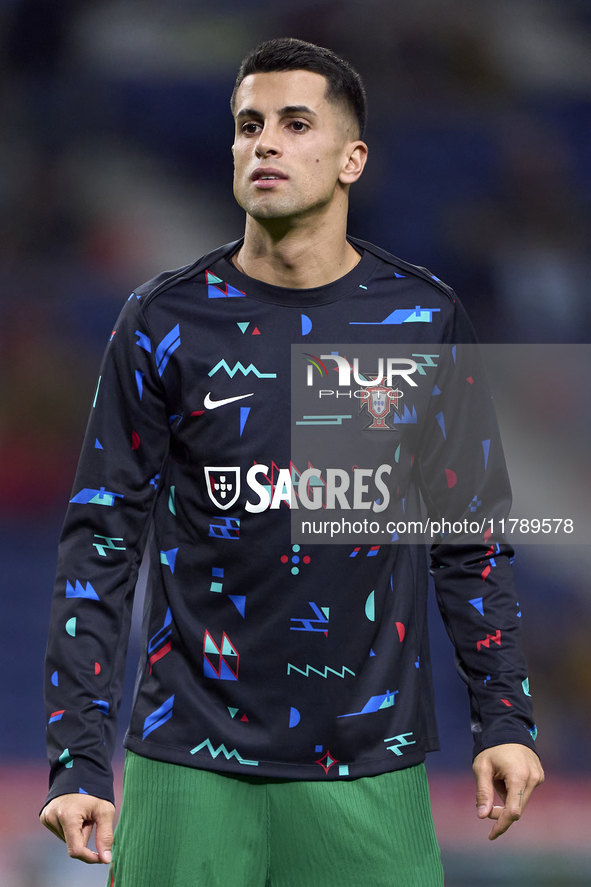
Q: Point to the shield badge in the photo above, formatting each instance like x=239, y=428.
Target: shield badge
x=379, y=401
x=223, y=486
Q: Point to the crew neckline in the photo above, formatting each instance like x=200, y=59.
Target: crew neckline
x=299, y=298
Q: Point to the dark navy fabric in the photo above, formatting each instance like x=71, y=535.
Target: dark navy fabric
x=261, y=657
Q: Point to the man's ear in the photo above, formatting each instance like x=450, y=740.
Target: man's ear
x=354, y=163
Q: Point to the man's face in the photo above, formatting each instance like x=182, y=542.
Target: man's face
x=291, y=145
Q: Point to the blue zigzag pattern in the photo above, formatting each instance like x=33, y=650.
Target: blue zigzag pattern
x=222, y=365
x=323, y=674
x=214, y=752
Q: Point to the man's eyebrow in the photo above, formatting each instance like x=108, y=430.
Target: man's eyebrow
x=248, y=112
x=289, y=109
x=296, y=109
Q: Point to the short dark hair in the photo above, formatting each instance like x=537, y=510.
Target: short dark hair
x=289, y=54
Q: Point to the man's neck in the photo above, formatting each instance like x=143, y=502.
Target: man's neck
x=297, y=257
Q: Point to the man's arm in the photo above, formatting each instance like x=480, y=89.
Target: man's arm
x=100, y=551
x=463, y=478
x=505, y=759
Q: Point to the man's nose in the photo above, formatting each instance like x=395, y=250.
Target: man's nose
x=268, y=144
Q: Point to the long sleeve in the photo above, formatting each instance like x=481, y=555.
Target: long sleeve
x=100, y=551
x=477, y=600
x=464, y=479
x=234, y=673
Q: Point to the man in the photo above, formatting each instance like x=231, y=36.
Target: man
x=282, y=713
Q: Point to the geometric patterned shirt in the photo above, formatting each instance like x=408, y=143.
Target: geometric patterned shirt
x=261, y=655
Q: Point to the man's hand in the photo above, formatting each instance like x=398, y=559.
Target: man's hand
x=514, y=771
x=72, y=817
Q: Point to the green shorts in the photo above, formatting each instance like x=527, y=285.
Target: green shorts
x=181, y=827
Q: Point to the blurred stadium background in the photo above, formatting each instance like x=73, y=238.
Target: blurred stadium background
x=115, y=164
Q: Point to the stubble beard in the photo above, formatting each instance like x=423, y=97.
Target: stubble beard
x=268, y=206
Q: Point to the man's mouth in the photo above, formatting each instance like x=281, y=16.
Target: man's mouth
x=267, y=175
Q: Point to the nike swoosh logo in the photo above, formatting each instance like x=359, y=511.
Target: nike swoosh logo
x=210, y=404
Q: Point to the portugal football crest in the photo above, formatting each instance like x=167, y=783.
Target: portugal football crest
x=379, y=401
x=223, y=486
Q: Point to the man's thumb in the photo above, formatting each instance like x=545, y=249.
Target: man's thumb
x=484, y=794
x=104, y=836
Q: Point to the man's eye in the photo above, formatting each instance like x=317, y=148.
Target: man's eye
x=251, y=128
x=298, y=125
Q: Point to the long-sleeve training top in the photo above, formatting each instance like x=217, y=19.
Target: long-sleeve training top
x=305, y=660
